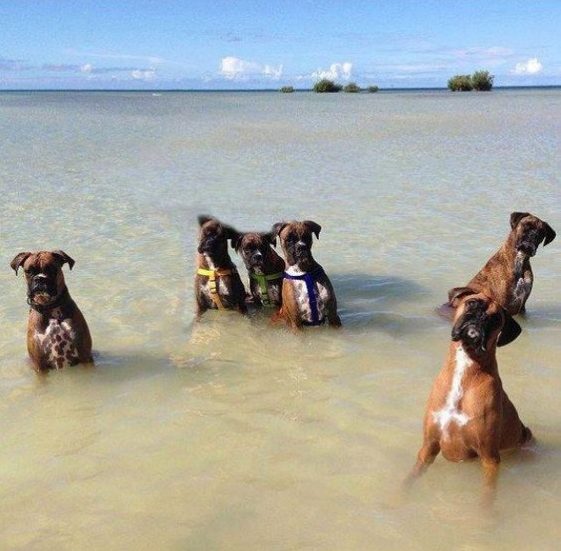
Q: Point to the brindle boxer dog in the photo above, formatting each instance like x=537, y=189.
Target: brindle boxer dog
x=217, y=282
x=507, y=277
x=57, y=333
x=264, y=267
x=468, y=412
x=307, y=294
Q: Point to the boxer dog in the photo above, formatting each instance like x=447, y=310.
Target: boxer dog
x=264, y=267
x=217, y=282
x=507, y=277
x=307, y=294
x=468, y=412
x=57, y=333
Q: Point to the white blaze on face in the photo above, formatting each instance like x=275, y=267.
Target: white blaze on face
x=450, y=412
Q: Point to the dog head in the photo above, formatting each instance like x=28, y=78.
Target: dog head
x=255, y=249
x=296, y=241
x=529, y=231
x=213, y=237
x=479, y=322
x=43, y=273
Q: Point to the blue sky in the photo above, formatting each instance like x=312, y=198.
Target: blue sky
x=266, y=44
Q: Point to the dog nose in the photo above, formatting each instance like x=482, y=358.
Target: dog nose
x=472, y=333
x=301, y=246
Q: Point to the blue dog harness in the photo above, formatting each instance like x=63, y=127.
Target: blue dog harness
x=309, y=279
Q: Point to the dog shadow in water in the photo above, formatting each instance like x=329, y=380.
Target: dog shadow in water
x=366, y=300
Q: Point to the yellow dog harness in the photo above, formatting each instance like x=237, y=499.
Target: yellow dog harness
x=213, y=275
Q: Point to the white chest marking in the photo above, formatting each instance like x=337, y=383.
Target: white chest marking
x=450, y=412
x=57, y=343
x=303, y=298
x=221, y=287
x=523, y=288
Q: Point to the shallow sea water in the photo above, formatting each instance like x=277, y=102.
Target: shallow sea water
x=229, y=434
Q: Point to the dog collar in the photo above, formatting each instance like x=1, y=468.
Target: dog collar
x=309, y=279
x=263, y=282
x=44, y=309
x=212, y=277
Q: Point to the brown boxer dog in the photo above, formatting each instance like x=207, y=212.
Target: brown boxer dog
x=507, y=277
x=57, y=333
x=217, y=282
x=468, y=412
x=308, y=297
x=264, y=267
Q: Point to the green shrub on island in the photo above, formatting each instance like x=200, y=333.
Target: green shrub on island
x=373, y=89
x=482, y=81
x=352, y=88
x=287, y=89
x=460, y=83
x=325, y=85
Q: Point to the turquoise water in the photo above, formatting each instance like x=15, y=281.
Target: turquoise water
x=230, y=434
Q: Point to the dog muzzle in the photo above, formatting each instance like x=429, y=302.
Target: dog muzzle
x=472, y=335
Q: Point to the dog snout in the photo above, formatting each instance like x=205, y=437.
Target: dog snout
x=527, y=247
x=40, y=281
x=528, y=244
x=42, y=284
x=301, y=247
x=207, y=245
x=472, y=333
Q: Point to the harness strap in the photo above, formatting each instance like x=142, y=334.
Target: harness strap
x=309, y=279
x=213, y=285
x=262, y=281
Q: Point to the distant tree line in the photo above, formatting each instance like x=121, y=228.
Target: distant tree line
x=325, y=86
x=481, y=81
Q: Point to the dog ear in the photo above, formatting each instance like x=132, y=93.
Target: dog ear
x=232, y=234
x=457, y=293
x=64, y=258
x=18, y=260
x=270, y=238
x=549, y=234
x=315, y=228
x=237, y=242
x=515, y=217
x=277, y=228
x=203, y=219
x=510, y=330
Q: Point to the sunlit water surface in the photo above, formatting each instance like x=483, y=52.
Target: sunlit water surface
x=231, y=434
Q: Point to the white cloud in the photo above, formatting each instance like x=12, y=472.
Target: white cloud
x=86, y=68
x=274, y=72
x=234, y=68
x=148, y=74
x=530, y=67
x=335, y=71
